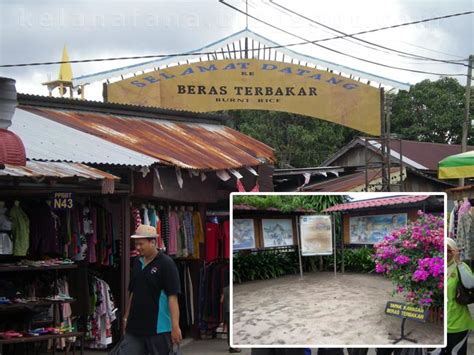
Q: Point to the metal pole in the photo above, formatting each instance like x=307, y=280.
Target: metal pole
x=388, y=101
x=382, y=136
x=334, y=246
x=402, y=183
x=298, y=236
x=246, y=14
x=343, y=268
x=466, y=122
x=366, y=165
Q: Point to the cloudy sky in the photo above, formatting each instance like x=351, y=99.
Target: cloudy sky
x=37, y=30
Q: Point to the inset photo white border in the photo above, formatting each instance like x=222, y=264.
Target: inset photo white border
x=356, y=197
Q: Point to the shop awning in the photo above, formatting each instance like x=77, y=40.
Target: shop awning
x=188, y=144
x=36, y=169
x=457, y=166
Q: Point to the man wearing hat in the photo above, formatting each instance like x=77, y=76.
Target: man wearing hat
x=151, y=321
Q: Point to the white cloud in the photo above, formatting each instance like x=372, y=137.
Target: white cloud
x=32, y=31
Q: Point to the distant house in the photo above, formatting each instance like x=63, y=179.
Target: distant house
x=346, y=169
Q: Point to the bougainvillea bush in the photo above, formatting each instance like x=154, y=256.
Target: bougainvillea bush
x=412, y=258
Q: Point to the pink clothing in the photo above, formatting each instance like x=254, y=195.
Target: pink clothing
x=92, y=240
x=174, y=229
x=463, y=209
x=240, y=186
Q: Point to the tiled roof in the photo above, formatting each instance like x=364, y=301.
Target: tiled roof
x=12, y=150
x=379, y=202
x=243, y=207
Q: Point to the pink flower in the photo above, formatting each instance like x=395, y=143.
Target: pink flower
x=379, y=268
x=402, y=259
x=420, y=275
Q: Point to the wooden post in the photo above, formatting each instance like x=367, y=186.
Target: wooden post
x=298, y=236
x=467, y=122
x=125, y=257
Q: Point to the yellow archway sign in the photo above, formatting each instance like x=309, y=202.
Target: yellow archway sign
x=255, y=84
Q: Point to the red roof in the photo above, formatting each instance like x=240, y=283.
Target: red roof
x=387, y=201
x=425, y=153
x=12, y=150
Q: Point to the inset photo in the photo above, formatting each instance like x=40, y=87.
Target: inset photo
x=345, y=270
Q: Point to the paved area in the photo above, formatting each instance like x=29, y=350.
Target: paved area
x=322, y=309
x=219, y=347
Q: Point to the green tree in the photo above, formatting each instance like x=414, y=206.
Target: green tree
x=298, y=141
x=431, y=111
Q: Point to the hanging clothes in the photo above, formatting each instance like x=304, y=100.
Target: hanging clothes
x=152, y=217
x=144, y=213
x=182, y=244
x=240, y=186
x=90, y=230
x=173, y=232
x=189, y=230
x=136, y=218
x=6, y=242
x=452, y=217
x=212, y=241
x=20, y=231
x=213, y=278
x=44, y=232
x=225, y=231
x=164, y=228
x=465, y=235
x=198, y=233
x=102, y=314
x=256, y=188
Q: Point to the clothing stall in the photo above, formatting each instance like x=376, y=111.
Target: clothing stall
x=461, y=220
x=56, y=259
x=198, y=242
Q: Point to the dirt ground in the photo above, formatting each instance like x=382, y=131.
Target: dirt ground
x=322, y=309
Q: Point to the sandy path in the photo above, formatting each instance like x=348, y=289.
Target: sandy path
x=321, y=309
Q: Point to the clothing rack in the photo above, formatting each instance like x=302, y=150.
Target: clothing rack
x=217, y=213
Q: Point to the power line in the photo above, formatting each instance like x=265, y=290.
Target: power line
x=401, y=53
x=343, y=36
x=434, y=51
x=235, y=51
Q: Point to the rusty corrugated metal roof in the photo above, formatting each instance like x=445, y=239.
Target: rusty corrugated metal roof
x=47, y=140
x=187, y=145
x=351, y=182
x=38, y=169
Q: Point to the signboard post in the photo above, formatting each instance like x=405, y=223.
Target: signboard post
x=404, y=311
x=315, y=237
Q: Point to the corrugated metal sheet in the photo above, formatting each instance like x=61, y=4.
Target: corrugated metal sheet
x=39, y=169
x=425, y=153
x=379, y=202
x=48, y=140
x=186, y=145
x=351, y=182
